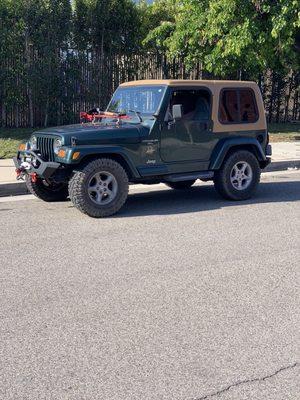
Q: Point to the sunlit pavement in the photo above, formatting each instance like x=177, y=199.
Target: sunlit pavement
x=179, y=296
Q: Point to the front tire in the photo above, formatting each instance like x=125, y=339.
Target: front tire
x=100, y=189
x=181, y=185
x=47, y=192
x=238, y=177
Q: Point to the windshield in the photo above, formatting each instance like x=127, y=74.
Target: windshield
x=142, y=99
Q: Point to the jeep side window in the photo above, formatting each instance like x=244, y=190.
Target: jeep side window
x=195, y=104
x=248, y=106
x=229, y=107
x=237, y=106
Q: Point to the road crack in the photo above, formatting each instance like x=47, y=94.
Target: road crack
x=245, y=381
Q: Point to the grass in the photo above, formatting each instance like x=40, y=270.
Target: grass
x=284, y=132
x=11, y=137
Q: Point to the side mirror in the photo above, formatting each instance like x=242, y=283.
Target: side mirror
x=177, y=111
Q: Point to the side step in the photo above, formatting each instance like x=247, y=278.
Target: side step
x=189, y=176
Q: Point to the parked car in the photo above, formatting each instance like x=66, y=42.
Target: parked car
x=170, y=131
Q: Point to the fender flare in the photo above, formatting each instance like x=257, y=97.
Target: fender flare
x=224, y=146
x=102, y=151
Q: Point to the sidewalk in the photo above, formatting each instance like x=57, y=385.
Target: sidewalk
x=285, y=155
x=9, y=186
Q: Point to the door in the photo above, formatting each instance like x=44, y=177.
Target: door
x=187, y=139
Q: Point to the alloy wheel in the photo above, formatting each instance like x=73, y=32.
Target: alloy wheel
x=102, y=188
x=241, y=175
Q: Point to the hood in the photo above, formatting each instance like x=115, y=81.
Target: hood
x=89, y=134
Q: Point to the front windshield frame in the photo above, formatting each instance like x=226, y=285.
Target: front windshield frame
x=132, y=108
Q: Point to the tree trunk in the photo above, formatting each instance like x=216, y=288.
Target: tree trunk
x=3, y=115
x=101, y=69
x=46, y=113
x=17, y=121
x=287, y=98
x=279, y=87
x=296, y=107
x=270, y=108
x=28, y=86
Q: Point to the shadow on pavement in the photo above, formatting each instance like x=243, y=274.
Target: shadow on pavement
x=203, y=198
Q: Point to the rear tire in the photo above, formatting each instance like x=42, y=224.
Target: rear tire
x=100, y=189
x=238, y=177
x=45, y=192
x=181, y=185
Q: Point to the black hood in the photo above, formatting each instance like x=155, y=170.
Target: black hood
x=89, y=134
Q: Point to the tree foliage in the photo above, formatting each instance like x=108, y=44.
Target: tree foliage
x=157, y=23
x=31, y=31
x=230, y=35
x=39, y=37
x=106, y=25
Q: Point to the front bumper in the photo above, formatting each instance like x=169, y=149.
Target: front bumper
x=28, y=162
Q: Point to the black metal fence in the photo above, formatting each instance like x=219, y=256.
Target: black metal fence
x=38, y=92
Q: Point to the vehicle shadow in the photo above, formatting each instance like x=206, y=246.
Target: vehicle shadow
x=202, y=198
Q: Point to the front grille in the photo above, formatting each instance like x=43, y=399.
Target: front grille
x=45, y=147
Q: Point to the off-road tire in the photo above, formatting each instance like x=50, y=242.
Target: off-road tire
x=78, y=188
x=181, y=185
x=222, y=179
x=46, y=193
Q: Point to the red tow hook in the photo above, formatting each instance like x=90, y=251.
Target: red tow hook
x=18, y=172
x=33, y=176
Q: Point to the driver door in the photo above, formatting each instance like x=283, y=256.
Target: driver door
x=188, y=138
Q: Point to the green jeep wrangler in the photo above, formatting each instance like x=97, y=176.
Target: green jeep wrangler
x=153, y=131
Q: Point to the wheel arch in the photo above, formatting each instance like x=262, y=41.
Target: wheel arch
x=228, y=147
x=118, y=157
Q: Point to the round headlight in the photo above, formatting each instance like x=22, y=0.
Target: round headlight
x=57, y=145
x=33, y=143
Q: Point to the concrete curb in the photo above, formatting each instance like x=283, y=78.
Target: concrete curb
x=282, y=165
x=19, y=188
x=13, y=189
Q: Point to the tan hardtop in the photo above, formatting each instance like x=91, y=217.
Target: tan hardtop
x=189, y=82
x=215, y=87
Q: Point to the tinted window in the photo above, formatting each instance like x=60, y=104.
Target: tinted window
x=229, y=106
x=237, y=106
x=248, y=106
x=195, y=104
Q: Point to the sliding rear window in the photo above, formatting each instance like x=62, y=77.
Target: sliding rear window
x=237, y=106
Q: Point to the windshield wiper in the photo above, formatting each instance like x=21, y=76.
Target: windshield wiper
x=138, y=114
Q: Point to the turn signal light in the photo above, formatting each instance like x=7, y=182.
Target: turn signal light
x=76, y=155
x=22, y=147
x=61, y=153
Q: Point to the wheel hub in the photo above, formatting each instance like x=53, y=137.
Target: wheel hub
x=102, y=188
x=241, y=175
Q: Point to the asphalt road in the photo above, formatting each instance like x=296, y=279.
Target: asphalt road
x=182, y=296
